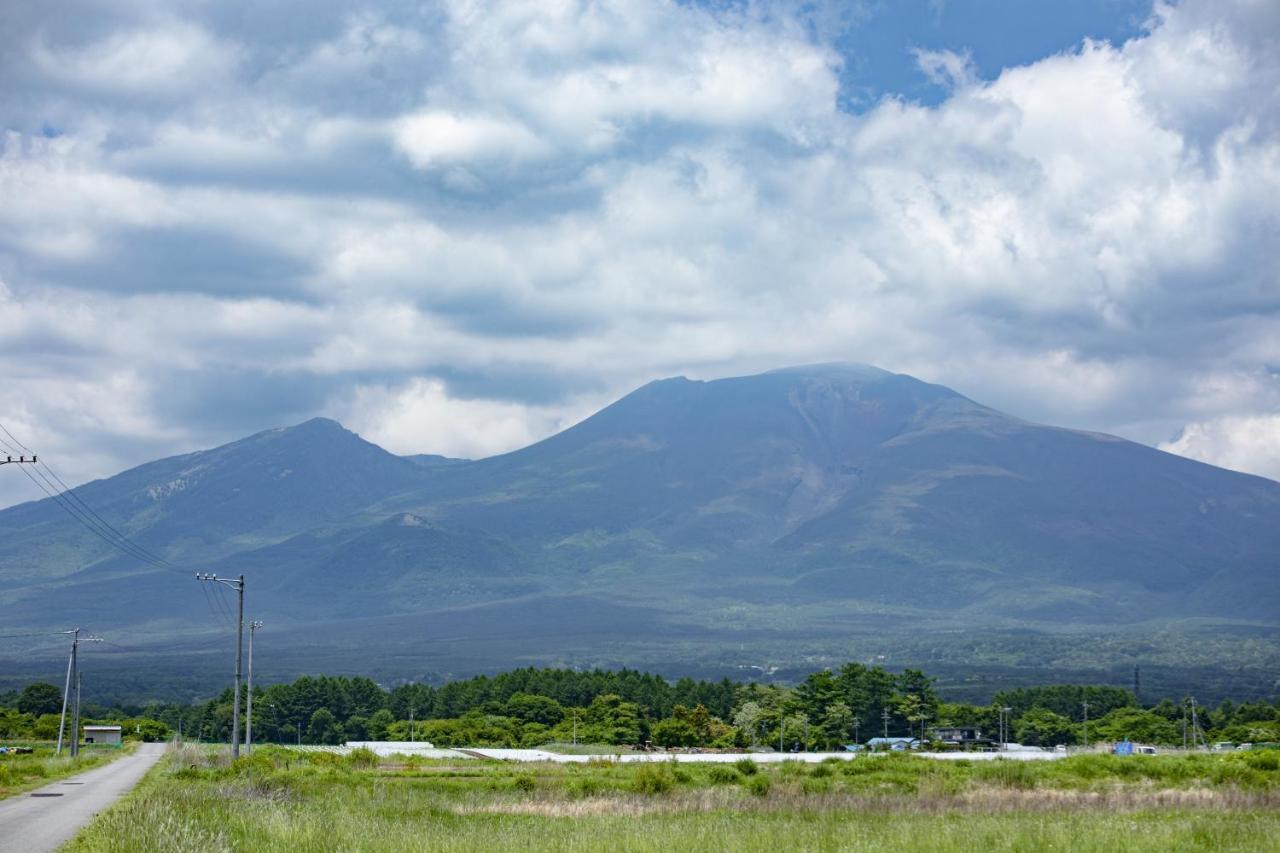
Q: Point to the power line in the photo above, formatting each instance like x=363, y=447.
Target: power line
x=121, y=545
x=77, y=508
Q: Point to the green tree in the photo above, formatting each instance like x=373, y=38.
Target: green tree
x=534, y=709
x=324, y=728
x=612, y=720
x=837, y=724
x=379, y=722
x=747, y=721
x=40, y=698
x=1041, y=727
x=15, y=724
x=673, y=732
x=1136, y=725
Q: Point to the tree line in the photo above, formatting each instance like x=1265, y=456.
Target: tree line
x=530, y=707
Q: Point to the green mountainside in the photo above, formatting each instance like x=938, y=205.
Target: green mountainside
x=818, y=513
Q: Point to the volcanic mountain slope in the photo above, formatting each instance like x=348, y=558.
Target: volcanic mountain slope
x=704, y=514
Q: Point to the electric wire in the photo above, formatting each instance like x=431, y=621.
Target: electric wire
x=90, y=518
x=72, y=504
x=71, y=510
x=95, y=523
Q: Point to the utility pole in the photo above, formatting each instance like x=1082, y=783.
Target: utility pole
x=1085, y=704
x=884, y=714
x=75, y=724
x=66, y=690
x=73, y=681
x=238, y=586
x=1007, y=717
x=410, y=724
x=1137, y=685
x=248, y=714
x=575, y=726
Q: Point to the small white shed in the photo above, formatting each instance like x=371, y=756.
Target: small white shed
x=102, y=734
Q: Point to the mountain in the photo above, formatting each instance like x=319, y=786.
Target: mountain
x=816, y=513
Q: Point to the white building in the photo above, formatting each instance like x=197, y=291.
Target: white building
x=102, y=734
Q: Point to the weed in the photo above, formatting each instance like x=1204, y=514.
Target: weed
x=654, y=778
x=718, y=774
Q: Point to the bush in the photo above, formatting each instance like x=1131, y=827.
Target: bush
x=525, y=782
x=819, y=771
x=758, y=786
x=746, y=766
x=1009, y=773
x=816, y=786
x=363, y=757
x=584, y=787
x=792, y=768
x=654, y=778
x=718, y=774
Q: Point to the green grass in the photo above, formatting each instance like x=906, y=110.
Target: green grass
x=282, y=800
x=20, y=773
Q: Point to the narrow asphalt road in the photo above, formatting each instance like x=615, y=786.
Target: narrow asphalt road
x=44, y=819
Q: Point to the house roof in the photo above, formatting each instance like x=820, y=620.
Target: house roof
x=102, y=728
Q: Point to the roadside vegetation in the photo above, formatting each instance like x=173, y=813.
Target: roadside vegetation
x=22, y=771
x=284, y=799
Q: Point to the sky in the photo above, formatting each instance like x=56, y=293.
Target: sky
x=458, y=227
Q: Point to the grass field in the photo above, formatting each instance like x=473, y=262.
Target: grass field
x=283, y=800
x=19, y=773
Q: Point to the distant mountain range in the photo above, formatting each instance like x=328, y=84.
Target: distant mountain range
x=811, y=514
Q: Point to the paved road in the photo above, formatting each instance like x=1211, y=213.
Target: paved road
x=30, y=823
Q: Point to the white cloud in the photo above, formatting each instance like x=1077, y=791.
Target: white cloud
x=421, y=414
x=437, y=138
x=946, y=67
x=579, y=197
x=1248, y=443
x=167, y=60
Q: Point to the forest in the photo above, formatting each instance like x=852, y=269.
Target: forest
x=530, y=707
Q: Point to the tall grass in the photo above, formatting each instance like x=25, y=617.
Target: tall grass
x=19, y=773
x=285, y=801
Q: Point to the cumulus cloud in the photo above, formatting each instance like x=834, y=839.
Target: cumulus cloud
x=421, y=413
x=460, y=228
x=1249, y=443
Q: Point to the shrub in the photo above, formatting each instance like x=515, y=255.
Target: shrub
x=816, y=786
x=758, y=786
x=792, y=768
x=819, y=771
x=525, y=782
x=718, y=774
x=654, y=778
x=746, y=766
x=363, y=757
x=584, y=787
x=1009, y=773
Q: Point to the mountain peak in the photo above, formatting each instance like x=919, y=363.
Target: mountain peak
x=834, y=369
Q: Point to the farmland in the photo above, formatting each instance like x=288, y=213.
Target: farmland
x=284, y=799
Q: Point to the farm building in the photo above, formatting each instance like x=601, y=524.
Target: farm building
x=102, y=734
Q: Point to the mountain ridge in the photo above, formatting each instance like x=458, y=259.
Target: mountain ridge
x=809, y=503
